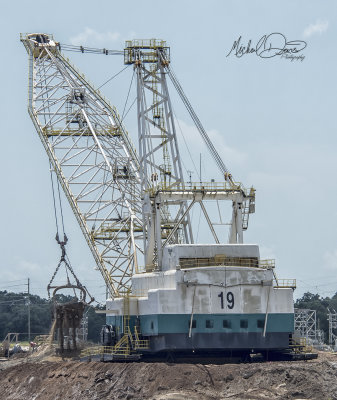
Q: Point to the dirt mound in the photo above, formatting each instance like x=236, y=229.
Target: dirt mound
x=47, y=380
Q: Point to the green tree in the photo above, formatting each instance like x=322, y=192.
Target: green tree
x=14, y=315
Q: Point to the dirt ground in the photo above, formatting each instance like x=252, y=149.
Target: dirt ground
x=49, y=378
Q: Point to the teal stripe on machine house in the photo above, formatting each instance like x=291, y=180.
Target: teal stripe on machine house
x=202, y=323
x=158, y=324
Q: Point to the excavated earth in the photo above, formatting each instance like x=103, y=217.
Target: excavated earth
x=51, y=378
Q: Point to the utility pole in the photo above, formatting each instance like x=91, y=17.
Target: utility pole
x=28, y=285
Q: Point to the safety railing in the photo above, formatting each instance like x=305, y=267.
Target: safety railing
x=199, y=186
x=105, y=350
x=138, y=343
x=26, y=36
x=121, y=349
x=109, y=131
x=146, y=43
x=122, y=344
x=299, y=345
x=226, y=262
x=285, y=283
x=107, y=230
x=91, y=351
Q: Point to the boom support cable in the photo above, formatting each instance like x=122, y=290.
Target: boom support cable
x=92, y=50
x=199, y=126
x=127, y=97
x=114, y=76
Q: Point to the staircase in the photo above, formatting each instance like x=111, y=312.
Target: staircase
x=248, y=208
x=127, y=347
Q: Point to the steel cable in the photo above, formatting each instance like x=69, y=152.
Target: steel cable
x=197, y=122
x=54, y=202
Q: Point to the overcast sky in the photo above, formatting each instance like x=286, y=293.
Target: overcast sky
x=273, y=120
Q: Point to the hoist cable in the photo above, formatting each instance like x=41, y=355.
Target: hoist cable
x=64, y=257
x=61, y=210
x=54, y=202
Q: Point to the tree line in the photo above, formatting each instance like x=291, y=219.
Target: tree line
x=14, y=315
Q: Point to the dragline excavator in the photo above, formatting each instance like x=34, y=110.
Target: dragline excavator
x=103, y=177
x=168, y=293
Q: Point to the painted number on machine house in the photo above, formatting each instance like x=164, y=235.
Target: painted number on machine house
x=225, y=300
x=229, y=298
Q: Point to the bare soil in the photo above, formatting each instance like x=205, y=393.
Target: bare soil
x=46, y=377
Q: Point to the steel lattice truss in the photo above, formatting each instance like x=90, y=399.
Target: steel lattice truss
x=125, y=206
x=158, y=149
x=93, y=158
x=305, y=322
x=332, y=318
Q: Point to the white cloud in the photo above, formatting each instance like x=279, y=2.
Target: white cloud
x=196, y=145
x=330, y=260
x=228, y=154
x=91, y=37
x=319, y=27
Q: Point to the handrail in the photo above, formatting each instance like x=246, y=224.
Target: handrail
x=224, y=261
x=145, y=43
x=299, y=345
x=199, y=186
x=285, y=283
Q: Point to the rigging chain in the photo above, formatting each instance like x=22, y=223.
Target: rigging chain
x=64, y=257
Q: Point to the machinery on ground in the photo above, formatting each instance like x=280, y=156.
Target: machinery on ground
x=135, y=207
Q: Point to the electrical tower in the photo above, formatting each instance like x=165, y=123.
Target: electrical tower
x=332, y=318
x=83, y=329
x=305, y=323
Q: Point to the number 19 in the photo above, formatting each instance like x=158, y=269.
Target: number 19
x=230, y=300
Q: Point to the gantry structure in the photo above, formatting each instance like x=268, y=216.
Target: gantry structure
x=167, y=199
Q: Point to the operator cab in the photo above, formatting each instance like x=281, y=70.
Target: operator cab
x=40, y=41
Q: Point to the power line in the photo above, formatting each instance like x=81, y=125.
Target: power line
x=22, y=284
x=16, y=280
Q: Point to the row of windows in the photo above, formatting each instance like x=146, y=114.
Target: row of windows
x=209, y=323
